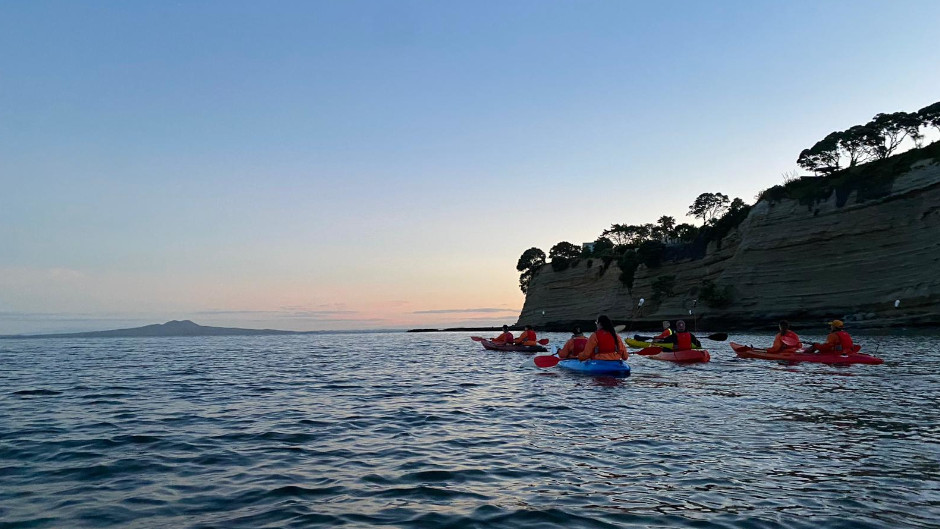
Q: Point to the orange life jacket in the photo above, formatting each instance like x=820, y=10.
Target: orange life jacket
x=529, y=336
x=845, y=341
x=683, y=341
x=577, y=344
x=505, y=337
x=606, y=343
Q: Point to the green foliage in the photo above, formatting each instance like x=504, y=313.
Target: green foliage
x=560, y=263
x=715, y=296
x=929, y=116
x=628, y=264
x=531, y=258
x=650, y=253
x=663, y=286
x=708, y=206
x=529, y=263
x=564, y=249
x=686, y=232
x=892, y=129
x=870, y=181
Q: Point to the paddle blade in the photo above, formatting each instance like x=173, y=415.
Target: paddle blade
x=620, y=328
x=718, y=336
x=476, y=338
x=543, y=341
x=546, y=361
x=650, y=351
x=639, y=338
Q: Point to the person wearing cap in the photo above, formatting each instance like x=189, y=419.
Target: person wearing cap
x=838, y=340
x=527, y=337
x=786, y=340
x=506, y=337
x=574, y=345
x=667, y=332
x=682, y=339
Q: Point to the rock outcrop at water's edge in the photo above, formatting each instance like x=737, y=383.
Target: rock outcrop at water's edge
x=842, y=257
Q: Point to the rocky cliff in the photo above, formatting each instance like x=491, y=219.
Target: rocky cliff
x=849, y=256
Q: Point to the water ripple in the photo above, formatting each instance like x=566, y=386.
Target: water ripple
x=403, y=430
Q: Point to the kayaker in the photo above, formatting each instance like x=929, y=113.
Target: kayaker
x=682, y=339
x=667, y=332
x=786, y=340
x=605, y=343
x=838, y=340
x=527, y=337
x=506, y=337
x=574, y=345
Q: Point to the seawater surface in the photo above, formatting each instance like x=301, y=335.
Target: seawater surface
x=429, y=430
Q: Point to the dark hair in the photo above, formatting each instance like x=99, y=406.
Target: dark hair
x=528, y=327
x=576, y=330
x=505, y=328
x=608, y=326
x=784, y=325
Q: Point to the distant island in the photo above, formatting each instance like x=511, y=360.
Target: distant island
x=170, y=328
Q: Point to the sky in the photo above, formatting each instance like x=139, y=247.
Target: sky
x=320, y=165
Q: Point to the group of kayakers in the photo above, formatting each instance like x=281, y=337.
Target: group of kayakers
x=605, y=343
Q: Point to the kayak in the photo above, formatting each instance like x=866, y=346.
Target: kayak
x=596, y=367
x=493, y=346
x=854, y=357
x=682, y=357
x=642, y=345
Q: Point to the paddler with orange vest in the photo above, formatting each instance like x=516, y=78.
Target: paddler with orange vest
x=506, y=337
x=838, y=340
x=667, y=332
x=527, y=337
x=786, y=340
x=682, y=339
x=573, y=346
x=605, y=343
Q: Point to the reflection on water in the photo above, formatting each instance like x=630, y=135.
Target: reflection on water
x=409, y=430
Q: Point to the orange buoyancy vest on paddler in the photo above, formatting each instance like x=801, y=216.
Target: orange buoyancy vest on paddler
x=605, y=342
x=528, y=337
x=845, y=341
x=683, y=341
x=665, y=334
x=505, y=337
x=577, y=344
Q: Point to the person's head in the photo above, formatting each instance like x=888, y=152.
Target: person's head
x=836, y=325
x=665, y=324
x=528, y=328
x=603, y=322
x=576, y=331
x=505, y=328
x=680, y=325
x=784, y=325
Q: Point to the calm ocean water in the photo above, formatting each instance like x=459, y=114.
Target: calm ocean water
x=428, y=430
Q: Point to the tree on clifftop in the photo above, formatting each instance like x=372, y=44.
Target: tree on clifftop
x=707, y=206
x=529, y=263
x=565, y=250
x=930, y=115
x=893, y=128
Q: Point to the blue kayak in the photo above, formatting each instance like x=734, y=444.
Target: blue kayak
x=596, y=367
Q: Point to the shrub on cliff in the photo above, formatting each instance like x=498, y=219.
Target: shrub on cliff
x=715, y=296
x=663, y=286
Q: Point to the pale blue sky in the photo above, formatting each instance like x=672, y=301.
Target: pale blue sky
x=320, y=165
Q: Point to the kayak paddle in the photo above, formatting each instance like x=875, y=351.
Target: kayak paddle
x=546, y=360
x=477, y=338
x=718, y=336
x=650, y=351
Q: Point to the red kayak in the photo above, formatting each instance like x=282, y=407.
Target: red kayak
x=493, y=346
x=683, y=357
x=854, y=357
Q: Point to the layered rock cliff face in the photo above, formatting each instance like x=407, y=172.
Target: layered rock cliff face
x=839, y=258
